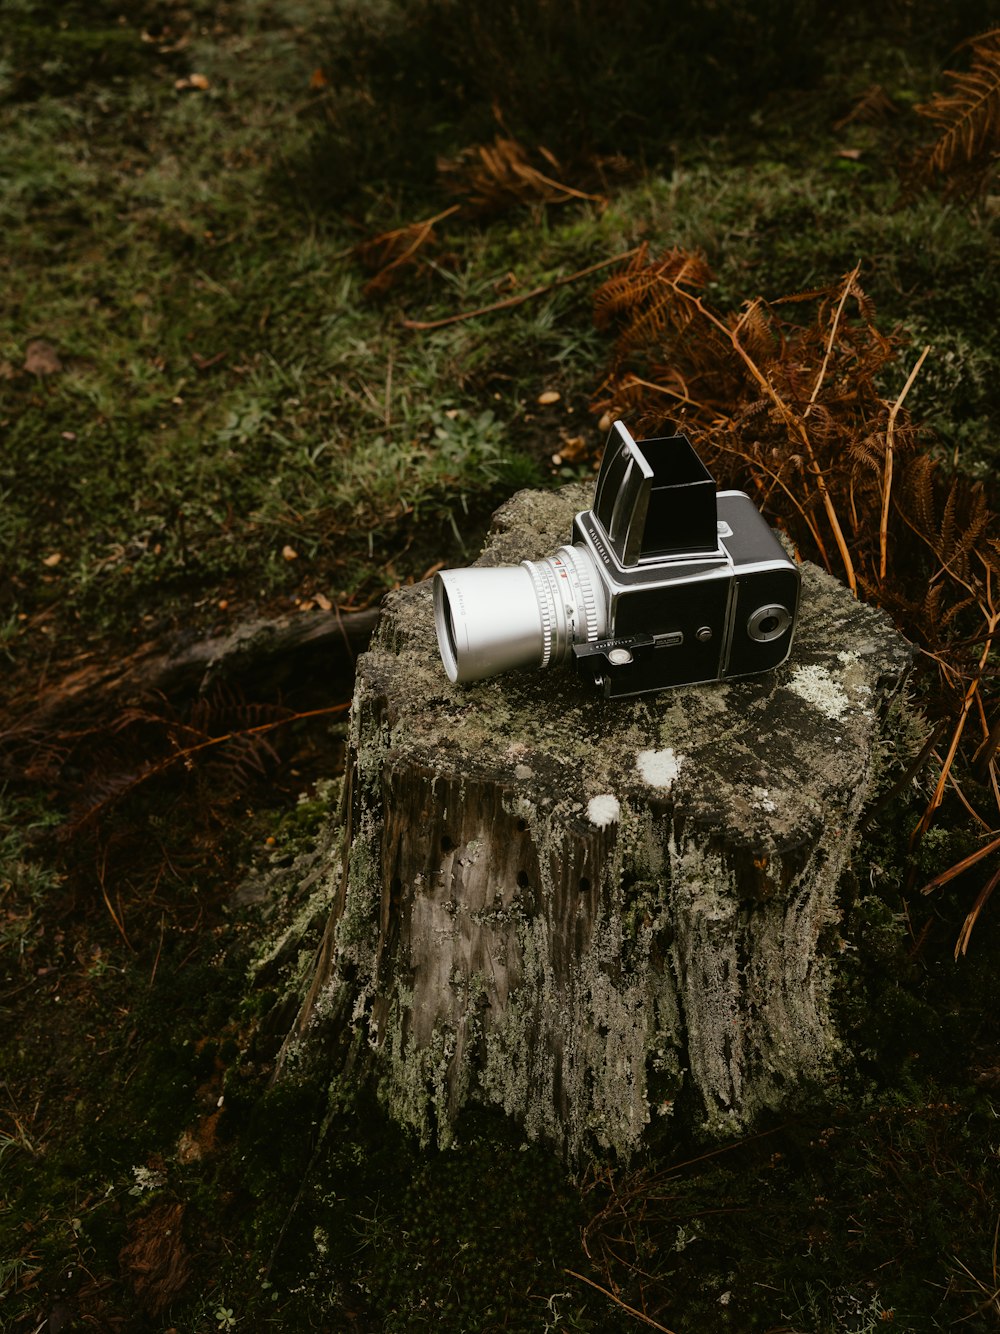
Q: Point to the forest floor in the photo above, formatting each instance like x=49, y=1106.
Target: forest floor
x=222, y=224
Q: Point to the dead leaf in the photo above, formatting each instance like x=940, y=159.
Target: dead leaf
x=41, y=358
x=318, y=79
x=323, y=602
x=289, y=553
x=53, y=560
x=574, y=447
x=199, y=81
x=549, y=396
x=852, y=154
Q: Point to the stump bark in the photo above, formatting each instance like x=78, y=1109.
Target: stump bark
x=589, y=913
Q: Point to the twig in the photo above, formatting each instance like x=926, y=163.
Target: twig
x=986, y=752
x=508, y=302
x=970, y=695
x=107, y=901
x=247, y=647
x=639, y=1315
x=883, y=529
x=848, y=281
x=159, y=948
x=962, y=944
x=961, y=866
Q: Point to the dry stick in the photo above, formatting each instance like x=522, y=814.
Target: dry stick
x=883, y=528
x=510, y=301
x=829, y=342
x=961, y=866
x=107, y=901
x=567, y=189
x=962, y=943
x=659, y=389
x=987, y=751
x=902, y=783
x=795, y=423
x=981, y=819
x=639, y=1315
x=970, y=696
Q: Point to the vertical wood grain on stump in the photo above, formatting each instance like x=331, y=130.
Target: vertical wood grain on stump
x=579, y=910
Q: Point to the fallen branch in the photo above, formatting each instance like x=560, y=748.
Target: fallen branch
x=184, y=756
x=510, y=301
x=639, y=1315
x=247, y=648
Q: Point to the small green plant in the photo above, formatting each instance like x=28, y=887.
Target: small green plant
x=25, y=879
x=840, y=1311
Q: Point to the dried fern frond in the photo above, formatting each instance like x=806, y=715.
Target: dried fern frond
x=390, y=253
x=969, y=113
x=491, y=177
x=872, y=107
x=652, y=303
x=757, y=332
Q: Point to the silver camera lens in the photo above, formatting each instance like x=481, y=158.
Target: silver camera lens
x=491, y=620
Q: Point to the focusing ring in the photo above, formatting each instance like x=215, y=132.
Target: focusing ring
x=586, y=589
x=543, y=596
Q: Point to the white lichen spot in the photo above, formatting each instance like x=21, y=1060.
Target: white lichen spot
x=659, y=768
x=760, y=799
x=817, y=687
x=603, y=810
x=522, y=771
x=146, y=1178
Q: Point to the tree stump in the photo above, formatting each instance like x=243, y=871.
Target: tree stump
x=583, y=911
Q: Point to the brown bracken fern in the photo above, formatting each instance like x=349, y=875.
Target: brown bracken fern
x=968, y=115
x=789, y=400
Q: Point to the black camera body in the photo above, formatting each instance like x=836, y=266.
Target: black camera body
x=697, y=586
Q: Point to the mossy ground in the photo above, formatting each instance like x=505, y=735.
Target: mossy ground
x=227, y=396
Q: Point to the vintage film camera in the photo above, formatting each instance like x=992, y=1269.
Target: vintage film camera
x=667, y=582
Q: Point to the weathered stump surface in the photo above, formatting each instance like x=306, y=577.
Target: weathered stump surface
x=581, y=911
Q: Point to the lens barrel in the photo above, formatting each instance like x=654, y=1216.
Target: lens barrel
x=493, y=619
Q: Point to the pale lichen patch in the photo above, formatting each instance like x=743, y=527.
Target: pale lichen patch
x=603, y=810
x=761, y=800
x=818, y=687
x=659, y=768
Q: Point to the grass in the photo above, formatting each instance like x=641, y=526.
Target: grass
x=235, y=422
x=227, y=392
